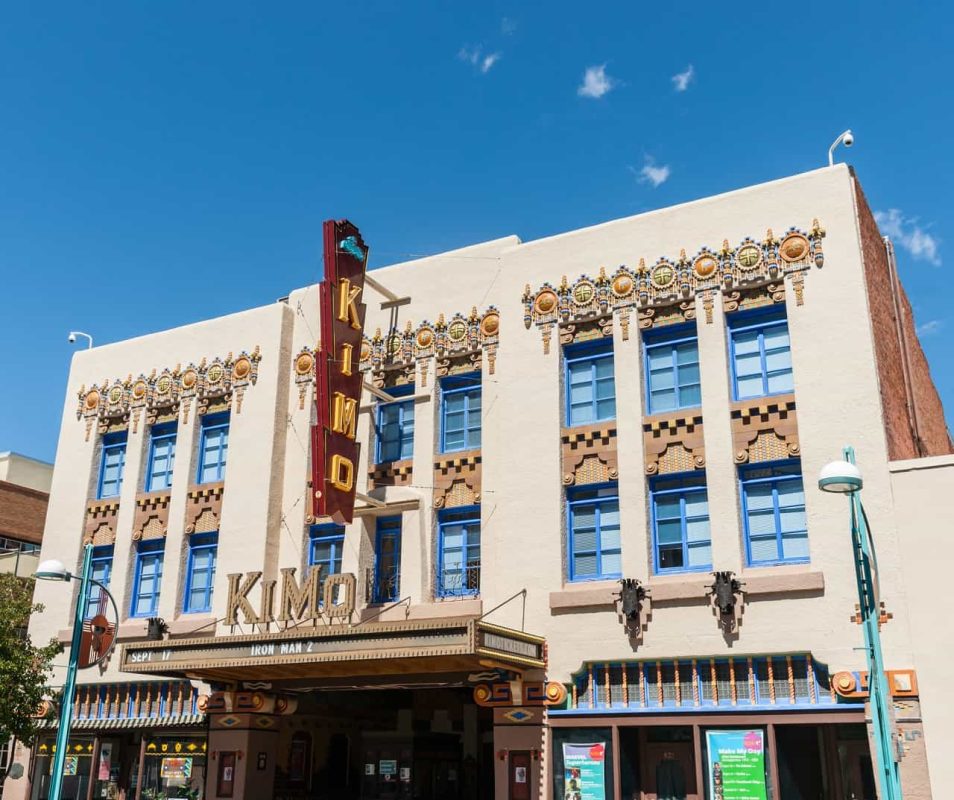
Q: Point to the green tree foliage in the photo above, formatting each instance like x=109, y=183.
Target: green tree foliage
x=24, y=669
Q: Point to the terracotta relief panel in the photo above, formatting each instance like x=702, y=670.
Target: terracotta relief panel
x=100, y=526
x=152, y=516
x=765, y=430
x=588, y=455
x=392, y=473
x=204, y=508
x=457, y=479
x=673, y=444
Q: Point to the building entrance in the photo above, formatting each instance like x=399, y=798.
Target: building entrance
x=422, y=743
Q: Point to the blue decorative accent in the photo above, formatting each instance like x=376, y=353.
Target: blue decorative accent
x=112, y=465
x=213, y=448
x=760, y=354
x=326, y=549
x=394, y=428
x=713, y=684
x=590, y=382
x=351, y=247
x=387, y=560
x=679, y=506
x=460, y=413
x=162, y=456
x=147, y=578
x=671, y=364
x=594, y=533
x=200, y=572
x=458, y=557
x=773, y=513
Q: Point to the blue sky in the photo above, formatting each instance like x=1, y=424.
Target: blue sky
x=167, y=162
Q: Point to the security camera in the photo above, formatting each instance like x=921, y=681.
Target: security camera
x=849, y=139
x=71, y=338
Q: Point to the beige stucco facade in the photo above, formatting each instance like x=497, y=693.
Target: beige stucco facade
x=799, y=608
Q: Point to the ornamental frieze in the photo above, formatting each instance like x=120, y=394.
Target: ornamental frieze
x=674, y=444
x=667, y=291
x=765, y=431
x=113, y=404
x=588, y=455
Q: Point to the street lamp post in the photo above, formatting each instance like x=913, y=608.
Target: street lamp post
x=55, y=571
x=844, y=477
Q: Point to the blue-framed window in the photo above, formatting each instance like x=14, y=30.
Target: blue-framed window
x=773, y=512
x=590, y=382
x=326, y=549
x=394, y=427
x=682, y=540
x=200, y=572
x=458, y=557
x=594, y=533
x=671, y=360
x=162, y=456
x=387, y=560
x=111, y=465
x=761, y=354
x=102, y=569
x=147, y=578
x=213, y=448
x=460, y=413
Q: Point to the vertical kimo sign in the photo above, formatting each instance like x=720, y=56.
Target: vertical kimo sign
x=338, y=381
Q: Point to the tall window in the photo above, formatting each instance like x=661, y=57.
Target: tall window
x=460, y=413
x=102, y=569
x=387, y=560
x=773, y=510
x=395, y=427
x=672, y=370
x=112, y=464
x=162, y=456
x=147, y=578
x=213, y=448
x=200, y=572
x=459, y=552
x=326, y=549
x=594, y=534
x=680, y=515
x=761, y=354
x=590, y=384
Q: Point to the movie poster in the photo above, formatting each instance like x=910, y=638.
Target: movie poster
x=584, y=771
x=736, y=765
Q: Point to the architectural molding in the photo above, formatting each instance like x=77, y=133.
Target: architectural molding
x=457, y=480
x=588, y=454
x=674, y=444
x=764, y=430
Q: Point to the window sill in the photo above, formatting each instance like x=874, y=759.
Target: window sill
x=199, y=623
x=585, y=594
x=782, y=579
x=751, y=402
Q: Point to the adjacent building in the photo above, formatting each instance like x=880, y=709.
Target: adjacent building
x=589, y=546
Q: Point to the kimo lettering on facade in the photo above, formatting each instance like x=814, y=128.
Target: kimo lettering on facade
x=338, y=380
x=298, y=601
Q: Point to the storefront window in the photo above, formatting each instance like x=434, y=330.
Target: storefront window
x=174, y=768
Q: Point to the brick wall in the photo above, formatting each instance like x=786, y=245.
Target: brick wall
x=22, y=512
x=911, y=433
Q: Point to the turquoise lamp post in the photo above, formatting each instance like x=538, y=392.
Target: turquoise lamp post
x=56, y=571
x=844, y=477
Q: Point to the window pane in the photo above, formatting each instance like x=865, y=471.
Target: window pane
x=700, y=555
x=746, y=342
x=748, y=365
x=795, y=546
x=669, y=532
x=660, y=357
x=612, y=564
x=582, y=394
x=604, y=367
x=697, y=530
x=687, y=353
x=584, y=565
x=697, y=504
x=670, y=557
x=781, y=382
x=792, y=519
x=606, y=409
x=584, y=541
x=663, y=401
x=765, y=549
x=662, y=380
x=749, y=387
x=668, y=507
x=609, y=539
x=776, y=337
x=791, y=493
x=761, y=522
x=759, y=496
x=778, y=360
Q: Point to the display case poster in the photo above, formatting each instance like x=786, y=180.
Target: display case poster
x=105, y=757
x=176, y=768
x=70, y=765
x=736, y=765
x=584, y=771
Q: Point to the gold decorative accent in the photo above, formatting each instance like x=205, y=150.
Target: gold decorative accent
x=705, y=265
x=748, y=257
x=663, y=275
x=794, y=248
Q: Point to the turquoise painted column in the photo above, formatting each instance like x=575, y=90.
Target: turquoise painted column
x=879, y=693
x=69, y=686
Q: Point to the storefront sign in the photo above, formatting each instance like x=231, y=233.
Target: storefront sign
x=584, y=770
x=387, y=768
x=70, y=765
x=176, y=768
x=736, y=764
x=297, y=601
x=338, y=379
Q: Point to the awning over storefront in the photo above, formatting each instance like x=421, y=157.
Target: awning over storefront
x=333, y=651
x=129, y=723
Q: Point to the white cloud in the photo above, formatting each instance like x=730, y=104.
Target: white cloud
x=508, y=26
x=488, y=61
x=681, y=80
x=930, y=327
x=477, y=58
x=650, y=173
x=596, y=82
x=906, y=232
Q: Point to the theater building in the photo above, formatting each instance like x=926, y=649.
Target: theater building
x=588, y=558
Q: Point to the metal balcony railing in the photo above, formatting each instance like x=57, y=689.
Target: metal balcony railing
x=459, y=580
